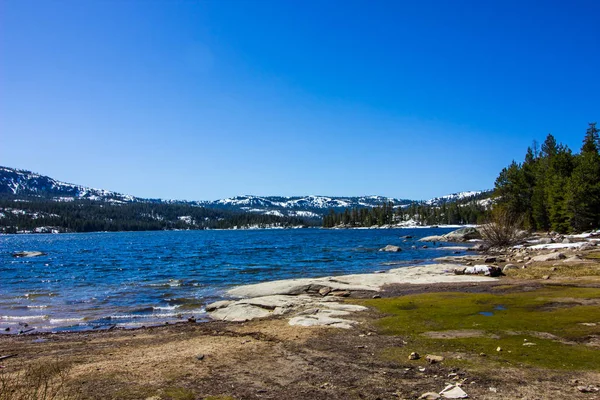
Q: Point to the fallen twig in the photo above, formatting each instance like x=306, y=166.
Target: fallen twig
x=8, y=356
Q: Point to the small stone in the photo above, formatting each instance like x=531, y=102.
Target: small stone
x=376, y=296
x=430, y=396
x=432, y=359
x=453, y=392
x=490, y=260
x=493, y=390
x=529, y=344
x=482, y=355
x=546, y=277
x=588, y=389
x=324, y=291
x=192, y=320
x=499, y=349
x=6, y=329
x=422, y=369
x=200, y=357
x=554, y=269
x=414, y=356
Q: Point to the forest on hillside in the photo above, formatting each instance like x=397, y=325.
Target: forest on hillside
x=552, y=189
x=18, y=214
x=472, y=210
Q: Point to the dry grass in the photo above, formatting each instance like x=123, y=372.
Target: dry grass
x=539, y=271
x=42, y=381
x=502, y=230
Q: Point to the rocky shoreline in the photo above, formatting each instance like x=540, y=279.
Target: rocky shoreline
x=318, y=301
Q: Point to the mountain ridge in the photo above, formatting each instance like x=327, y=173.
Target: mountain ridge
x=26, y=183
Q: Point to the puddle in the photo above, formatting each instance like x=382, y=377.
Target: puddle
x=490, y=313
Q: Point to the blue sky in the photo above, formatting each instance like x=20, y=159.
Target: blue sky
x=210, y=99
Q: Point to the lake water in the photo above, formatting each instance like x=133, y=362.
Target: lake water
x=96, y=280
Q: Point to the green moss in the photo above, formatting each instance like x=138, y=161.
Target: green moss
x=553, y=318
x=593, y=256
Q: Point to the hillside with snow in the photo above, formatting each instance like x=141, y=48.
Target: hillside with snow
x=23, y=185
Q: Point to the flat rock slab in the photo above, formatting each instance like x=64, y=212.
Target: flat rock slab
x=239, y=313
x=307, y=304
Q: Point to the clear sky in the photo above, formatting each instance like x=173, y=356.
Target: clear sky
x=210, y=99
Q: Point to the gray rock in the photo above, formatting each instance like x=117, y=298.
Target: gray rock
x=240, y=313
x=391, y=248
x=433, y=239
x=429, y=396
x=432, y=359
x=414, y=356
x=508, y=267
x=324, y=291
x=587, y=246
x=453, y=392
x=546, y=240
x=462, y=235
x=218, y=304
x=29, y=254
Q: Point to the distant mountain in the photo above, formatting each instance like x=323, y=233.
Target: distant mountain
x=23, y=183
x=27, y=183
x=26, y=186
x=460, y=197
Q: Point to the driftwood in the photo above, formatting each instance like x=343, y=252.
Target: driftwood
x=8, y=356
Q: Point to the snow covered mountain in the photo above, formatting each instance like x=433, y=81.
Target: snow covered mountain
x=460, y=197
x=302, y=206
x=24, y=184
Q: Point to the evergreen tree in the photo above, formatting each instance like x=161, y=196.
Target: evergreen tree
x=583, y=200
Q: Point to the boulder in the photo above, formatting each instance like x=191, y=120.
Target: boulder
x=549, y=257
x=391, y=248
x=463, y=235
x=508, y=267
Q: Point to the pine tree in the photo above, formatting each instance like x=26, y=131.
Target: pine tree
x=583, y=200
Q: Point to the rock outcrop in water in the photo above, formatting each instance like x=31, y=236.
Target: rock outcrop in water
x=459, y=235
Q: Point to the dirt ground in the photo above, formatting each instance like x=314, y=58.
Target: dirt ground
x=266, y=359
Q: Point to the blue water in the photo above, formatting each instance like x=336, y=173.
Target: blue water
x=95, y=280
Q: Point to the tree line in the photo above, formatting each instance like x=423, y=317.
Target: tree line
x=464, y=211
x=554, y=189
x=19, y=213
